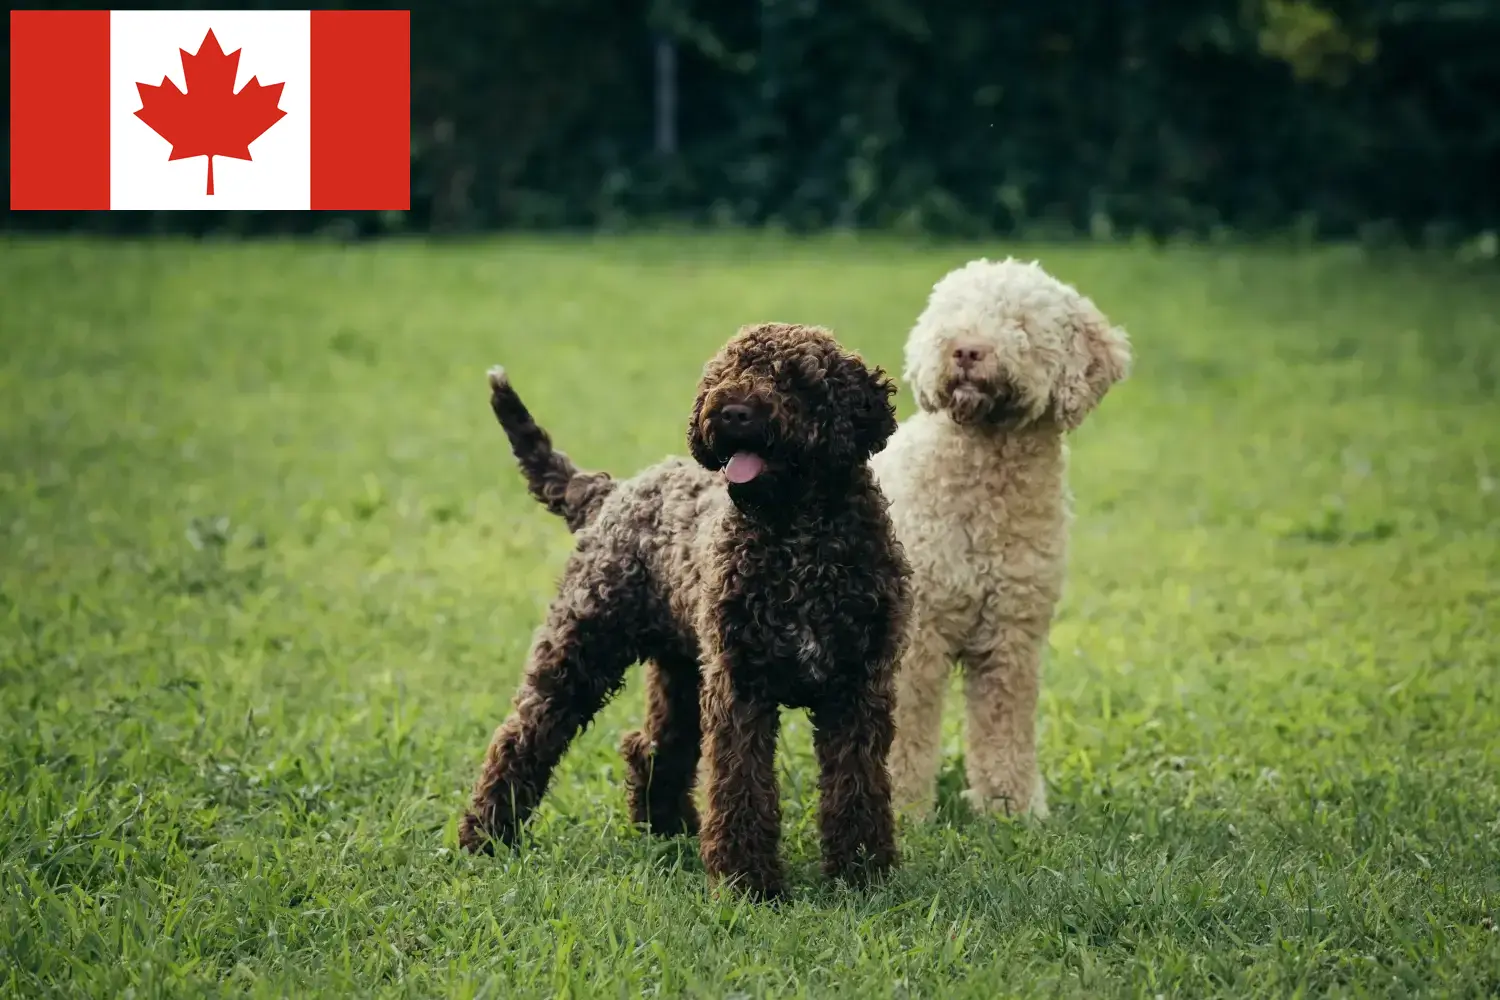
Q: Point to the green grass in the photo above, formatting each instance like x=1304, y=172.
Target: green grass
x=268, y=575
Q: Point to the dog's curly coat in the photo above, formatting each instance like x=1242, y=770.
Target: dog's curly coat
x=1004, y=361
x=772, y=562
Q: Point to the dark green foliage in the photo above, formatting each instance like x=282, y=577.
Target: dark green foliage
x=1378, y=119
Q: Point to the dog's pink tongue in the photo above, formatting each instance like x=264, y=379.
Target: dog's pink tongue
x=743, y=467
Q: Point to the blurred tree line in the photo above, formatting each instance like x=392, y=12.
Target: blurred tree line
x=1377, y=119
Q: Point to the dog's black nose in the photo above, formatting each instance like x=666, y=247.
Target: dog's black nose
x=969, y=355
x=737, y=418
x=737, y=413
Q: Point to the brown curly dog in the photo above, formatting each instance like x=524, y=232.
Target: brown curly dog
x=772, y=563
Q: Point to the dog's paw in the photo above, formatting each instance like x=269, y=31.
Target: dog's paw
x=1035, y=806
x=498, y=379
x=996, y=805
x=758, y=887
x=864, y=868
x=473, y=837
x=1039, y=810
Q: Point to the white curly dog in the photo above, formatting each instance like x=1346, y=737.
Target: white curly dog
x=1004, y=361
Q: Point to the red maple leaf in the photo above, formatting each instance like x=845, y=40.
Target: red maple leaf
x=210, y=119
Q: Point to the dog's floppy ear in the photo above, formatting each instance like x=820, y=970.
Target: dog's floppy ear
x=1098, y=356
x=879, y=421
x=697, y=442
x=871, y=414
x=919, y=372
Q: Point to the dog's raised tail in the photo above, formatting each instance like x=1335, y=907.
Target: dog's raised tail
x=551, y=476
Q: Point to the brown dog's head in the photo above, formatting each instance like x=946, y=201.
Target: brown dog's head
x=783, y=409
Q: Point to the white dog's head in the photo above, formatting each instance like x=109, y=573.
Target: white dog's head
x=1005, y=344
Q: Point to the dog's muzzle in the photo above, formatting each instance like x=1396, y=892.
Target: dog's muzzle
x=977, y=400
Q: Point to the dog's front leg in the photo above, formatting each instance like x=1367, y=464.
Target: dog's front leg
x=852, y=737
x=921, y=683
x=1001, y=688
x=741, y=832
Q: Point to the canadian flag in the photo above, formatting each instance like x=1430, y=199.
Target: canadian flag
x=158, y=109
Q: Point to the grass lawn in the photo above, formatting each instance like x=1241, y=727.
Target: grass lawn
x=268, y=576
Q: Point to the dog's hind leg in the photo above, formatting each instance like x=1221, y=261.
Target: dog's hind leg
x=577, y=661
x=852, y=739
x=662, y=758
x=1001, y=685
